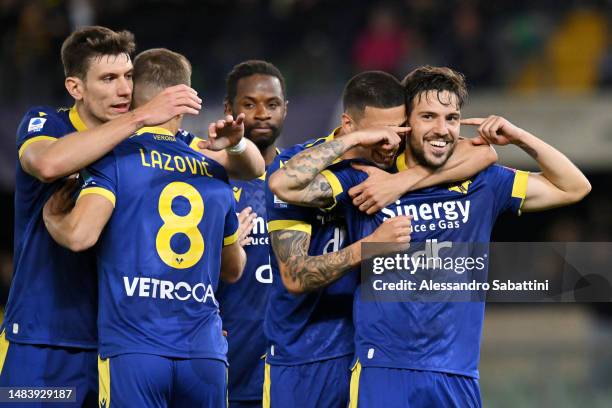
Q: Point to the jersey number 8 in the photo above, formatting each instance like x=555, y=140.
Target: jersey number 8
x=180, y=224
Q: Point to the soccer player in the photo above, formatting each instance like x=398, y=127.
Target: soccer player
x=257, y=90
x=165, y=219
x=48, y=337
x=309, y=317
x=425, y=354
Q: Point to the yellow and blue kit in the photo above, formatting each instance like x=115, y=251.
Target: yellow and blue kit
x=159, y=260
x=243, y=304
x=310, y=336
x=48, y=336
x=432, y=347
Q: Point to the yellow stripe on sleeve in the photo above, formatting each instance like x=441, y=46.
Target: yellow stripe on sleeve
x=4, y=346
x=99, y=191
x=519, y=187
x=194, y=144
x=334, y=184
x=34, y=140
x=266, y=387
x=230, y=239
x=104, y=395
x=354, y=387
x=294, y=225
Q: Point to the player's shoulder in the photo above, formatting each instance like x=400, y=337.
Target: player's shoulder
x=36, y=117
x=185, y=136
x=494, y=171
x=289, y=152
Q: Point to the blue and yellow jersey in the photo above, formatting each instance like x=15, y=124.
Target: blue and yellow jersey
x=318, y=325
x=431, y=336
x=159, y=255
x=53, y=297
x=243, y=304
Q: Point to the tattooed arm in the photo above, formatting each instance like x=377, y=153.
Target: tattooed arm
x=303, y=273
x=299, y=181
x=559, y=183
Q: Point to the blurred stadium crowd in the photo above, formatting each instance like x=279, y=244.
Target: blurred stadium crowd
x=317, y=43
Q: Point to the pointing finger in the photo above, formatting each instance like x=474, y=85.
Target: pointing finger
x=472, y=121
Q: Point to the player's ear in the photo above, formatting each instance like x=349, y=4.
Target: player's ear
x=286, y=105
x=348, y=124
x=227, y=108
x=74, y=86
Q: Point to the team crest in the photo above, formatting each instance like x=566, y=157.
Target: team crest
x=461, y=187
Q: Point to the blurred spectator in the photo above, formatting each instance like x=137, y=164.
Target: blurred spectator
x=469, y=48
x=384, y=44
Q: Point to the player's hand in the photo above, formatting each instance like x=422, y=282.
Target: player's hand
x=375, y=193
x=385, y=135
x=395, y=232
x=62, y=200
x=173, y=101
x=245, y=221
x=224, y=133
x=494, y=130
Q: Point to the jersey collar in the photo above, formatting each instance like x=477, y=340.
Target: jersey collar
x=155, y=129
x=76, y=120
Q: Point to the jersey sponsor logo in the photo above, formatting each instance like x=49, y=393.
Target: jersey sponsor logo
x=263, y=274
x=36, y=124
x=449, y=210
x=336, y=242
x=164, y=289
x=259, y=234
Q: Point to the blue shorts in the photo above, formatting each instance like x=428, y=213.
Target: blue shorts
x=146, y=380
x=27, y=365
x=322, y=384
x=395, y=388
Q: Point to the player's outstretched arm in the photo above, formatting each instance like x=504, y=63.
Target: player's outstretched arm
x=382, y=188
x=302, y=273
x=49, y=160
x=559, y=183
x=76, y=227
x=299, y=180
x=227, y=145
x=233, y=260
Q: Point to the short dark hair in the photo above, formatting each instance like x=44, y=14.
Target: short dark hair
x=161, y=68
x=90, y=42
x=377, y=89
x=439, y=79
x=247, y=69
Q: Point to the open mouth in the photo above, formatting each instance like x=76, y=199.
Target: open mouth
x=121, y=107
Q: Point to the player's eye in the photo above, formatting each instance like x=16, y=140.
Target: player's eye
x=129, y=77
x=273, y=106
x=427, y=116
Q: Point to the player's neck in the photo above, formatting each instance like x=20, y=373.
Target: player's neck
x=87, y=118
x=173, y=125
x=269, y=153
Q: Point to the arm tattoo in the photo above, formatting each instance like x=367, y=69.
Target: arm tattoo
x=309, y=272
x=303, y=167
